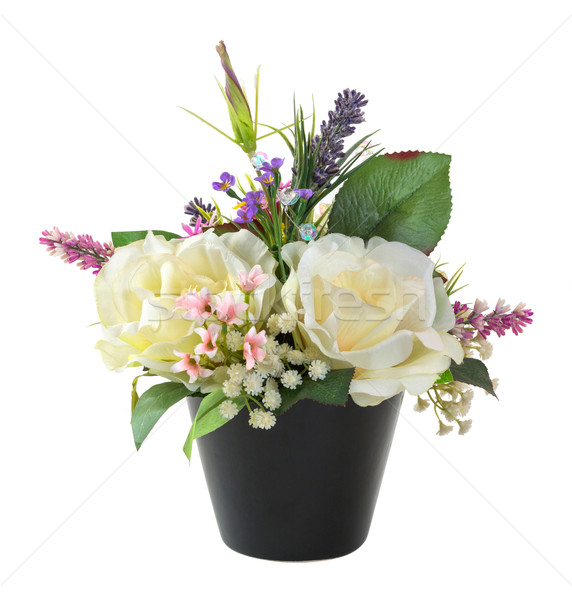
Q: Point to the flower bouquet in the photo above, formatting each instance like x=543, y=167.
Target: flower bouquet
x=306, y=313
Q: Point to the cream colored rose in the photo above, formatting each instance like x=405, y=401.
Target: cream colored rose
x=377, y=308
x=135, y=293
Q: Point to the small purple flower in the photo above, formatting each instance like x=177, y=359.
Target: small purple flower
x=226, y=182
x=246, y=214
x=253, y=201
x=266, y=179
x=273, y=165
x=305, y=194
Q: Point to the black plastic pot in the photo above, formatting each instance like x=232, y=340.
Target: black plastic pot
x=307, y=488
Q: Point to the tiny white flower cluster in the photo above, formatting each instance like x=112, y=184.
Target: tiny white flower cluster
x=282, y=323
x=452, y=402
x=480, y=345
x=280, y=365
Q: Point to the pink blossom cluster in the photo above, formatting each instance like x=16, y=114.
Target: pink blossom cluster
x=83, y=248
x=223, y=312
x=472, y=321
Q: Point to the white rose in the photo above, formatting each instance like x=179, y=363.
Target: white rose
x=135, y=293
x=377, y=308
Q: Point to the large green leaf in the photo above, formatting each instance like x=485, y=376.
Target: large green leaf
x=152, y=405
x=208, y=418
x=403, y=197
x=122, y=238
x=473, y=372
x=331, y=390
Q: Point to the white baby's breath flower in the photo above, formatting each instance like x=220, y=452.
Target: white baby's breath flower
x=234, y=340
x=460, y=386
x=253, y=384
x=271, y=345
x=272, y=400
x=283, y=349
x=318, y=370
x=485, y=348
x=287, y=323
x=464, y=405
x=450, y=411
x=469, y=351
x=231, y=388
x=260, y=419
x=254, y=419
x=237, y=372
x=464, y=426
x=421, y=404
x=273, y=324
x=228, y=409
x=277, y=367
x=291, y=379
x=444, y=429
x=265, y=368
x=295, y=357
x=271, y=385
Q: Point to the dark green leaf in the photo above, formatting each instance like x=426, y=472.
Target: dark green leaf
x=152, y=405
x=404, y=197
x=208, y=418
x=331, y=390
x=473, y=372
x=122, y=238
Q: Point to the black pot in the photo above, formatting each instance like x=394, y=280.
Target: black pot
x=305, y=489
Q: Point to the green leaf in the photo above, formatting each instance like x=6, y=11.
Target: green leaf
x=473, y=372
x=122, y=238
x=331, y=390
x=445, y=377
x=152, y=405
x=404, y=196
x=208, y=418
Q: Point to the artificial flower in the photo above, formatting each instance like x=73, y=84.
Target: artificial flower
x=253, y=347
x=190, y=363
x=136, y=294
x=376, y=307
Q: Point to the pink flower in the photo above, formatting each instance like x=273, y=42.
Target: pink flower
x=253, y=350
x=250, y=281
x=190, y=364
x=199, y=225
x=83, y=248
x=228, y=309
x=198, y=306
x=209, y=337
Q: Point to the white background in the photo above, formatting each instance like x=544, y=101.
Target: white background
x=92, y=141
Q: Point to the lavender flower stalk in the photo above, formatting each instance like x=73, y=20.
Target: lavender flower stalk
x=83, y=248
x=192, y=209
x=329, y=146
x=471, y=322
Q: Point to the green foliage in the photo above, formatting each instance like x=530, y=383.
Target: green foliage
x=331, y=390
x=208, y=418
x=473, y=372
x=152, y=405
x=445, y=377
x=404, y=197
x=123, y=238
